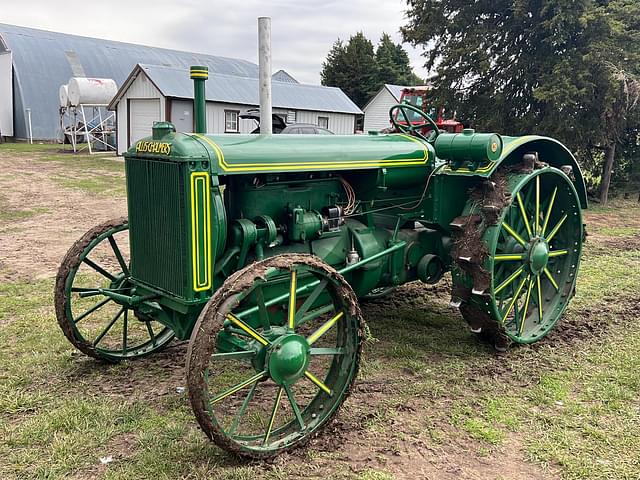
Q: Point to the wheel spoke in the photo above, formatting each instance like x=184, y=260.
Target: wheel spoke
x=327, y=351
x=243, y=408
x=324, y=328
x=508, y=257
x=118, y=254
x=514, y=300
x=92, y=309
x=294, y=406
x=523, y=319
x=125, y=330
x=315, y=313
x=151, y=334
x=549, y=209
x=556, y=228
x=292, y=300
x=111, y=323
x=550, y=277
x=255, y=335
x=514, y=234
x=99, y=269
x=234, y=355
x=272, y=420
x=537, y=204
x=524, y=214
x=508, y=281
x=263, y=313
x=230, y=391
x=310, y=300
x=539, y=298
x=319, y=383
x=558, y=253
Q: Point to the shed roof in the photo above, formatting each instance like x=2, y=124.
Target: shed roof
x=43, y=60
x=175, y=82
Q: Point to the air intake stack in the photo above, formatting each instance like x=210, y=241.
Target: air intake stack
x=199, y=75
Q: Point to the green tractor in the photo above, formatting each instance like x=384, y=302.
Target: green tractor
x=256, y=249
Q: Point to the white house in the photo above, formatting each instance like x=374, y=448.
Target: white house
x=159, y=93
x=376, y=111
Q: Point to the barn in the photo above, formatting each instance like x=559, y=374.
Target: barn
x=376, y=110
x=160, y=93
x=35, y=63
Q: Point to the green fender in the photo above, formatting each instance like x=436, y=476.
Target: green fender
x=551, y=151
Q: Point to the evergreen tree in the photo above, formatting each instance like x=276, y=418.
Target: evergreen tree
x=562, y=68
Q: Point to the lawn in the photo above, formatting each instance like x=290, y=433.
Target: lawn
x=432, y=401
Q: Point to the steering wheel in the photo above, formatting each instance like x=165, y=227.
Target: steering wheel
x=410, y=129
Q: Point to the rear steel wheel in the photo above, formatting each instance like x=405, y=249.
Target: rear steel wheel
x=95, y=324
x=527, y=274
x=274, y=355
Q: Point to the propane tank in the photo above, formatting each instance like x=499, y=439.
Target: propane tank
x=91, y=91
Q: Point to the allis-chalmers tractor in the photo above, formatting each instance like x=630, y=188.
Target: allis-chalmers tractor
x=257, y=248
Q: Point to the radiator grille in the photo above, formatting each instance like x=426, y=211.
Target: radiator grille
x=158, y=237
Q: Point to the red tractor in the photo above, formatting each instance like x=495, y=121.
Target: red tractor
x=418, y=97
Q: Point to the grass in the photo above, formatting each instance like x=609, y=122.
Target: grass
x=568, y=405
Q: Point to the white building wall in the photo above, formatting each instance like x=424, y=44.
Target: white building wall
x=141, y=87
x=6, y=95
x=376, y=112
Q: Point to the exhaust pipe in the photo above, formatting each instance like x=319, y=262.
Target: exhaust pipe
x=264, y=64
x=199, y=75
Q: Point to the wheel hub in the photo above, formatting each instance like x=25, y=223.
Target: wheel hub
x=288, y=358
x=538, y=255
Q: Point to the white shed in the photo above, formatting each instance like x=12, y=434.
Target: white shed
x=159, y=93
x=376, y=111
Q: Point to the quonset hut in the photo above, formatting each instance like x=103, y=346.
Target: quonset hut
x=35, y=63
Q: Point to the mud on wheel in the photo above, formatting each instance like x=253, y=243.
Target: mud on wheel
x=517, y=253
x=274, y=355
x=96, y=324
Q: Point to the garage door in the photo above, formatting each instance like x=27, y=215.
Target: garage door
x=142, y=114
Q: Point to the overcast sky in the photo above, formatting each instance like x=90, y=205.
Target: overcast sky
x=302, y=30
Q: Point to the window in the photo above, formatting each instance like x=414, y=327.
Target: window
x=231, y=120
x=291, y=117
x=323, y=122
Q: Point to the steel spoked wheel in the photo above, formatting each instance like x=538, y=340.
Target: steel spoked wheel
x=532, y=259
x=274, y=355
x=92, y=275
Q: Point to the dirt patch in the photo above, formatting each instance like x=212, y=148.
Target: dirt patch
x=32, y=247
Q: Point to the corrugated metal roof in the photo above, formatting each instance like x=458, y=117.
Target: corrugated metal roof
x=175, y=82
x=282, y=76
x=42, y=62
x=395, y=90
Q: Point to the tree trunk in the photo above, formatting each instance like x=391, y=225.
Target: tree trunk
x=609, y=157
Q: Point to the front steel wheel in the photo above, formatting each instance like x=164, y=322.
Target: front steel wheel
x=95, y=324
x=274, y=355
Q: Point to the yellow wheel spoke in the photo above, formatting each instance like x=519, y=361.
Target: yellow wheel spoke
x=272, y=420
x=558, y=253
x=508, y=281
x=238, y=387
x=319, y=384
x=514, y=234
x=524, y=214
x=526, y=309
x=323, y=329
x=292, y=301
x=537, y=204
x=514, y=300
x=556, y=228
x=548, y=214
x=539, y=298
x=508, y=257
x=235, y=320
x=553, y=282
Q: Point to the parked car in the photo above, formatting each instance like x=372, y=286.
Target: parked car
x=307, y=129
